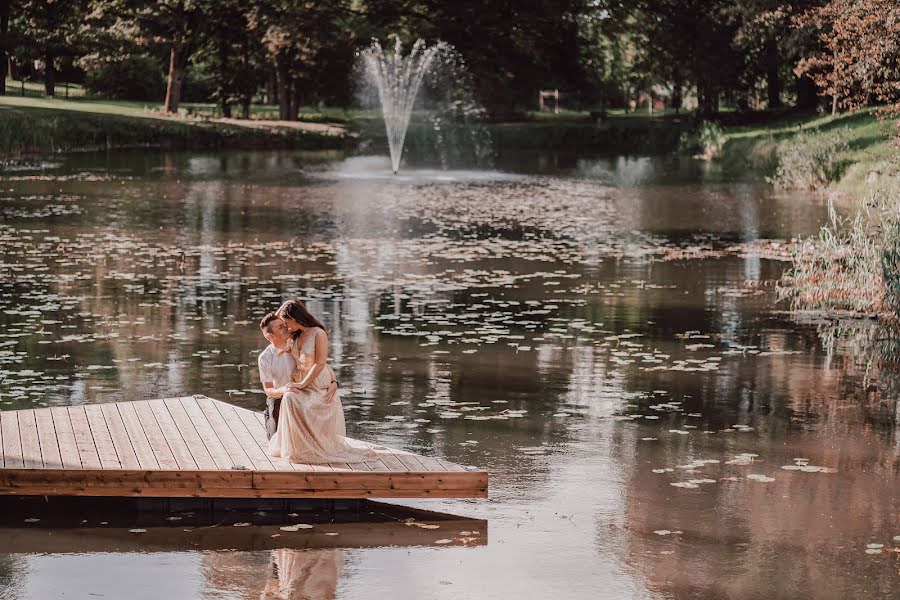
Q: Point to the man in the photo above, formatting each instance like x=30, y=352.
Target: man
x=276, y=368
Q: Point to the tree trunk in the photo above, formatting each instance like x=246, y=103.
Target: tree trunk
x=677, y=96
x=773, y=79
x=284, y=90
x=5, y=58
x=269, y=88
x=245, y=107
x=834, y=104
x=707, y=100
x=178, y=59
x=49, y=76
x=222, y=83
x=295, y=100
x=806, y=92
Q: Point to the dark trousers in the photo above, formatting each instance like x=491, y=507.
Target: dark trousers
x=273, y=405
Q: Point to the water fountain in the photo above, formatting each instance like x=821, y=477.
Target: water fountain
x=398, y=79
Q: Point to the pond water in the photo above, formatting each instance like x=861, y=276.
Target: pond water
x=601, y=334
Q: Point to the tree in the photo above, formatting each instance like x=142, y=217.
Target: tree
x=296, y=35
x=172, y=26
x=512, y=48
x=859, y=59
x=228, y=43
x=49, y=30
x=5, y=43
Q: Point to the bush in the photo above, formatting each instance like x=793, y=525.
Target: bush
x=706, y=141
x=199, y=84
x=811, y=159
x=138, y=77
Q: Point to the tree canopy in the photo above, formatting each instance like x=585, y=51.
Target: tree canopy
x=599, y=53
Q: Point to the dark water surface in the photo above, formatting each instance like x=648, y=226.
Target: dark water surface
x=600, y=334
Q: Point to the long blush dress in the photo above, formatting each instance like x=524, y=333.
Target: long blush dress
x=311, y=427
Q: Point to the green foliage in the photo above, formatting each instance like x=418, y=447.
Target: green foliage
x=199, y=83
x=811, y=159
x=138, y=77
x=706, y=140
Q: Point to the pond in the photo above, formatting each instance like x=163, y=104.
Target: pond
x=600, y=333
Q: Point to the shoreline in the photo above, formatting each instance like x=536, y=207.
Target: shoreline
x=32, y=128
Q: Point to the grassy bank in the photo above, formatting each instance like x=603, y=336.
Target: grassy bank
x=38, y=126
x=572, y=132
x=865, y=154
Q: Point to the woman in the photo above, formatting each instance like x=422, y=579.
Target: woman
x=311, y=426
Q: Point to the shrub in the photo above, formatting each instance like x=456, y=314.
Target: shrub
x=810, y=159
x=138, y=77
x=705, y=141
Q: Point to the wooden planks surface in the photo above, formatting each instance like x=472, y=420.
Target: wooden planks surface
x=196, y=446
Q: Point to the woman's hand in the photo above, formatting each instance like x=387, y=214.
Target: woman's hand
x=294, y=387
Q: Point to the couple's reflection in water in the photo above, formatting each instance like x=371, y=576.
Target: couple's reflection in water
x=303, y=574
x=279, y=574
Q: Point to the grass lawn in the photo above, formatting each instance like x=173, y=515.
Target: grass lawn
x=41, y=125
x=872, y=147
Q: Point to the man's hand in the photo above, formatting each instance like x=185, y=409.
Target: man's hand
x=293, y=387
x=328, y=398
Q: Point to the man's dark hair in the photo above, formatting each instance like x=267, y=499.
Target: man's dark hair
x=266, y=321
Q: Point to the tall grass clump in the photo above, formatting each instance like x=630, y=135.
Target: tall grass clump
x=811, y=159
x=853, y=265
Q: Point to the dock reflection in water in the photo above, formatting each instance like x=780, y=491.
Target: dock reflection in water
x=291, y=555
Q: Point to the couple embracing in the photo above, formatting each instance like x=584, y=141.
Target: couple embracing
x=304, y=415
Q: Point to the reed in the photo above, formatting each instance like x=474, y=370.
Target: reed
x=854, y=263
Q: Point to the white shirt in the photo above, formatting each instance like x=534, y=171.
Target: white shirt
x=275, y=367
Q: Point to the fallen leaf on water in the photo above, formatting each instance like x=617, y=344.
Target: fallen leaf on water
x=297, y=527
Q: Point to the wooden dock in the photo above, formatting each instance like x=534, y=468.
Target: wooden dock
x=196, y=447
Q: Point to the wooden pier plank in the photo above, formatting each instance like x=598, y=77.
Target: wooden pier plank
x=12, y=445
x=159, y=443
x=256, y=454
x=84, y=439
x=449, y=466
x=189, y=434
x=428, y=463
x=106, y=450
x=31, y=446
x=118, y=433
x=209, y=438
x=68, y=448
x=185, y=447
x=173, y=436
x=145, y=456
x=47, y=439
x=233, y=447
x=240, y=484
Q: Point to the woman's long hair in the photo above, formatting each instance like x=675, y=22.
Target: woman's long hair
x=296, y=310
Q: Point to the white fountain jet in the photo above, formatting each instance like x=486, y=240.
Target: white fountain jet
x=398, y=79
